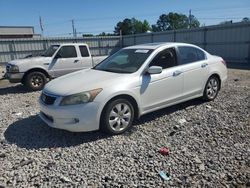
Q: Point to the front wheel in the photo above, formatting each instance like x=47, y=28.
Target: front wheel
x=211, y=89
x=117, y=116
x=35, y=81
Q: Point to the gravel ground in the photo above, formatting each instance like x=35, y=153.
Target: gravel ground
x=208, y=142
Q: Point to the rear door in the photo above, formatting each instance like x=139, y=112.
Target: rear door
x=159, y=90
x=86, y=59
x=65, y=61
x=194, y=65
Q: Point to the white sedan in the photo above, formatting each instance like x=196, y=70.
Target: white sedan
x=130, y=83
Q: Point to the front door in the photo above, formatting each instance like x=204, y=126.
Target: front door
x=158, y=90
x=65, y=61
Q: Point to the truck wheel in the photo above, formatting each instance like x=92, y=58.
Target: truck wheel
x=35, y=81
x=117, y=117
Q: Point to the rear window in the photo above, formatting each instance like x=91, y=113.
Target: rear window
x=84, y=51
x=190, y=54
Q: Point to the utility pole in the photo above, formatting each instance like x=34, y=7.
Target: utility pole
x=73, y=27
x=41, y=24
x=189, y=18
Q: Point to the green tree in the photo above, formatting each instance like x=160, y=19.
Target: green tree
x=106, y=34
x=125, y=26
x=87, y=35
x=132, y=26
x=174, y=21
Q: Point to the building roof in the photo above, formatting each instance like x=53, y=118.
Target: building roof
x=16, y=30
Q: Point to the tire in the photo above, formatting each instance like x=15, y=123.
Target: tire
x=35, y=81
x=114, y=119
x=211, y=89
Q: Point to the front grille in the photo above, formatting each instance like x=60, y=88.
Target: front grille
x=47, y=99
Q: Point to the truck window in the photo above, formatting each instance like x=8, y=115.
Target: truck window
x=84, y=51
x=165, y=59
x=67, y=52
x=50, y=51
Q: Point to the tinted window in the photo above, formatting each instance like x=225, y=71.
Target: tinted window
x=190, y=54
x=201, y=55
x=165, y=59
x=84, y=51
x=67, y=52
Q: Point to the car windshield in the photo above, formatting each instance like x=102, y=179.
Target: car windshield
x=50, y=51
x=124, y=61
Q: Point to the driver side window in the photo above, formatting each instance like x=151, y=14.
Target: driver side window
x=165, y=59
x=67, y=52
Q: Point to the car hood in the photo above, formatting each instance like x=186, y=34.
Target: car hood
x=81, y=81
x=33, y=60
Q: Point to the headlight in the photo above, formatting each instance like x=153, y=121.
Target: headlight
x=14, y=68
x=80, y=98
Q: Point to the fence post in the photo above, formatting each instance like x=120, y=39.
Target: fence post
x=205, y=38
x=248, y=53
x=152, y=37
x=99, y=45
x=44, y=45
x=174, y=35
x=12, y=50
x=121, y=39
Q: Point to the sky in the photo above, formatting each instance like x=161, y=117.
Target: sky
x=96, y=16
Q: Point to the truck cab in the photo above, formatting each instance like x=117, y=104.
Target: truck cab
x=56, y=61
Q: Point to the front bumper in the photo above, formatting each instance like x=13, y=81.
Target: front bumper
x=14, y=77
x=75, y=118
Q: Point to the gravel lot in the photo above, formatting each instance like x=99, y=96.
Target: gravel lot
x=210, y=149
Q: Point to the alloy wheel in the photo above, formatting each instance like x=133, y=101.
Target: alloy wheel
x=212, y=88
x=120, y=117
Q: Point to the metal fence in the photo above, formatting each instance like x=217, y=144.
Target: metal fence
x=231, y=41
x=18, y=48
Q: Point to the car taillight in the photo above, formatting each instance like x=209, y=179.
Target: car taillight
x=224, y=62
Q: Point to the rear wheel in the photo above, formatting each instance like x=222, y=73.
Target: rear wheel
x=117, y=116
x=212, y=88
x=35, y=81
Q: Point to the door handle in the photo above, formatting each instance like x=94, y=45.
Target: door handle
x=76, y=61
x=204, y=65
x=176, y=73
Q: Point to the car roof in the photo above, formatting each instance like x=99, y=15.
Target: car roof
x=156, y=45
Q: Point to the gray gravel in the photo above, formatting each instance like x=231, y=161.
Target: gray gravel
x=208, y=142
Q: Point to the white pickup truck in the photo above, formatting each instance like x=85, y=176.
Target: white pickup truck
x=56, y=61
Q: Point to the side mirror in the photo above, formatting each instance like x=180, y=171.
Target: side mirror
x=154, y=70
